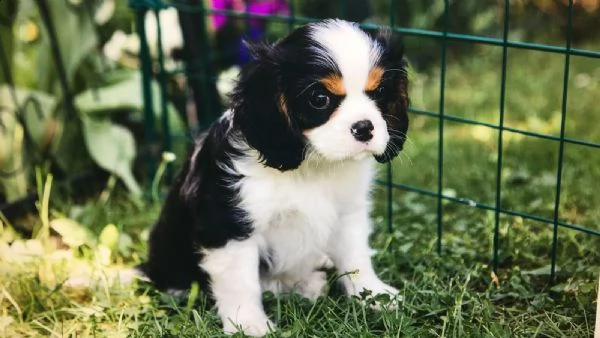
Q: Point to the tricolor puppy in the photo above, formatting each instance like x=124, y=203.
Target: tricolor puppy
x=281, y=182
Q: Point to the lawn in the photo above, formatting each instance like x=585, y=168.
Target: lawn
x=67, y=286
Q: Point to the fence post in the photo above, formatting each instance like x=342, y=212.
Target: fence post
x=498, y=204
x=146, y=71
x=440, y=178
x=198, y=68
x=162, y=82
x=561, y=147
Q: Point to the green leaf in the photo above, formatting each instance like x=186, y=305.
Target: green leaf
x=542, y=271
x=72, y=233
x=72, y=22
x=112, y=147
x=126, y=95
x=37, y=110
x=125, y=243
x=109, y=236
x=12, y=152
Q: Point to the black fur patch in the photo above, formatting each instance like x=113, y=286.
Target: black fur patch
x=199, y=212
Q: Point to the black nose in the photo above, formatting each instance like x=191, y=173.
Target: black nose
x=361, y=130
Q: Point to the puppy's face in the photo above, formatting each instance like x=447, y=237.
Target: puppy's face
x=332, y=89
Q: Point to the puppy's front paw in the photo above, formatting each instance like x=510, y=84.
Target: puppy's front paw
x=373, y=294
x=255, y=324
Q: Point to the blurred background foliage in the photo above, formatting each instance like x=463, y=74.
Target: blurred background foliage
x=88, y=126
x=97, y=125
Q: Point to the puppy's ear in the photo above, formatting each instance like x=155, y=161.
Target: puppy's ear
x=396, y=118
x=260, y=111
x=395, y=112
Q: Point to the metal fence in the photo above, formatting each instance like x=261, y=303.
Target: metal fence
x=200, y=77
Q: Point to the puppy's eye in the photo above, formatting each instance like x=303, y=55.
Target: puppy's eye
x=378, y=93
x=319, y=100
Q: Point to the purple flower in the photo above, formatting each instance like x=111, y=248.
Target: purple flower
x=256, y=27
x=262, y=7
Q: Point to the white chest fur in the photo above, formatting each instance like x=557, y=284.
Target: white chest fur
x=295, y=213
x=299, y=217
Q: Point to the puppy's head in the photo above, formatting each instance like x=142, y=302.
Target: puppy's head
x=330, y=88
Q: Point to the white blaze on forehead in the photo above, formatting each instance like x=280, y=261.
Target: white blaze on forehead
x=349, y=49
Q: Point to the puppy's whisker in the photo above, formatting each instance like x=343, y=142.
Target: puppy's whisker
x=398, y=134
x=407, y=157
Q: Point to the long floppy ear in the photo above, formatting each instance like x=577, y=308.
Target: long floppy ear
x=396, y=118
x=395, y=112
x=260, y=111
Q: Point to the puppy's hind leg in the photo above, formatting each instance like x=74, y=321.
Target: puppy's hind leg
x=235, y=286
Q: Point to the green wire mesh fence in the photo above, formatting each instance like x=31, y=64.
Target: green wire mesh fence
x=193, y=15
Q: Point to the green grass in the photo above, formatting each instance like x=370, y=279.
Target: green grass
x=452, y=295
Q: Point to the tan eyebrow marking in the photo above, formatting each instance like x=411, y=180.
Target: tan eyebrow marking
x=334, y=84
x=375, y=75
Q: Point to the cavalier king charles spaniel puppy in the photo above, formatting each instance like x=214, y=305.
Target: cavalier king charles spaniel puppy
x=281, y=182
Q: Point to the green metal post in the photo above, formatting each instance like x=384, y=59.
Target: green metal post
x=162, y=81
x=440, y=206
x=561, y=149
x=146, y=71
x=498, y=204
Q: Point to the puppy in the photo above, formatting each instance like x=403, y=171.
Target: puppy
x=280, y=182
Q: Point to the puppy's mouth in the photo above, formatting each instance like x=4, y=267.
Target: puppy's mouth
x=376, y=146
x=371, y=151
x=356, y=151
